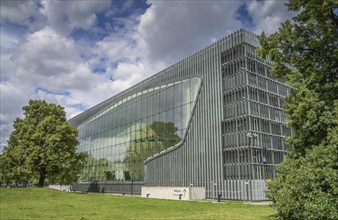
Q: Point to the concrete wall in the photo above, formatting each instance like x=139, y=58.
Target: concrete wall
x=174, y=193
x=65, y=188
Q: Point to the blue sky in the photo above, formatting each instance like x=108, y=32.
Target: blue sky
x=79, y=53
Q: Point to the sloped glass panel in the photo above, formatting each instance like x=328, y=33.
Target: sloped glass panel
x=143, y=124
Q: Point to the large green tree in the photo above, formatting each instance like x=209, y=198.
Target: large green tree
x=41, y=147
x=305, y=52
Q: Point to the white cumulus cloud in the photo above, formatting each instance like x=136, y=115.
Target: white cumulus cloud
x=268, y=15
x=17, y=11
x=41, y=58
x=64, y=16
x=172, y=30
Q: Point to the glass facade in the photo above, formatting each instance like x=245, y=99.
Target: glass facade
x=254, y=122
x=214, y=119
x=123, y=135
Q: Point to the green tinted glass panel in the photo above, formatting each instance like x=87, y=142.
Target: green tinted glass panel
x=143, y=124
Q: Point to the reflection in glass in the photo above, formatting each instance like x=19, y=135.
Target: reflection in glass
x=135, y=128
x=148, y=141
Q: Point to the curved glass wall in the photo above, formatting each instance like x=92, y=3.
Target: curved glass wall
x=119, y=138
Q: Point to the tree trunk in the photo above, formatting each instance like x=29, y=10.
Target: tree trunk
x=42, y=179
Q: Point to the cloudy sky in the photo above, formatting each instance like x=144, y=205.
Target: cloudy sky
x=79, y=53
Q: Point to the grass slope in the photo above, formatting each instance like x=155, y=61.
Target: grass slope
x=49, y=204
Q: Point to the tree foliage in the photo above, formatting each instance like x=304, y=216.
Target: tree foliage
x=306, y=187
x=41, y=147
x=305, y=53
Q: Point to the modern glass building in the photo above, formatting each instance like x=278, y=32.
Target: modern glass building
x=213, y=120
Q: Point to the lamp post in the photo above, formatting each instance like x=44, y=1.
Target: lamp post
x=132, y=184
x=215, y=188
x=247, y=190
x=251, y=136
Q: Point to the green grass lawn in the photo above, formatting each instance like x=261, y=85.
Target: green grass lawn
x=49, y=204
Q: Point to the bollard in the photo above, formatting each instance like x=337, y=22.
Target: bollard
x=219, y=197
x=180, y=196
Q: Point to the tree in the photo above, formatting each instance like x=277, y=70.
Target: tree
x=305, y=53
x=306, y=187
x=42, y=147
